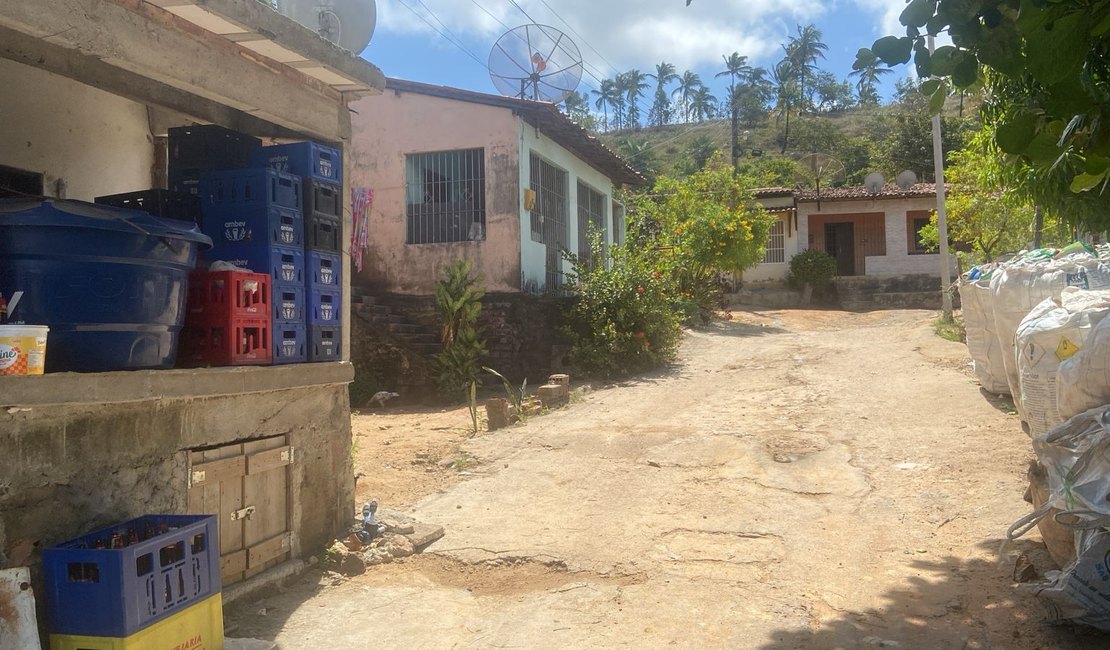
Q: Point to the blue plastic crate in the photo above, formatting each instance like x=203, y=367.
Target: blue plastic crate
x=288, y=302
x=305, y=159
x=325, y=270
x=325, y=343
x=251, y=187
x=323, y=233
x=161, y=565
x=239, y=224
x=290, y=343
x=323, y=306
x=284, y=264
x=323, y=198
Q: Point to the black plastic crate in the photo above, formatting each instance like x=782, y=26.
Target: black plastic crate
x=322, y=233
x=160, y=203
x=210, y=147
x=325, y=343
x=323, y=198
x=185, y=180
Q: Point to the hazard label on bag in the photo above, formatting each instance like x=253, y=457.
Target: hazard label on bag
x=1066, y=349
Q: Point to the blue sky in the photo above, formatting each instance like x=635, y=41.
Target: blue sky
x=616, y=35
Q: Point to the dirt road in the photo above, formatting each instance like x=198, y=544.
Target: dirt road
x=800, y=479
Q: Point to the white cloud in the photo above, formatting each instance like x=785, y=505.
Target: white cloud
x=885, y=13
x=624, y=33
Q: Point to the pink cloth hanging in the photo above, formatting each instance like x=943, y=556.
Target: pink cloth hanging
x=362, y=199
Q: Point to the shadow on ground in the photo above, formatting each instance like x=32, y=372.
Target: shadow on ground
x=951, y=603
x=733, y=328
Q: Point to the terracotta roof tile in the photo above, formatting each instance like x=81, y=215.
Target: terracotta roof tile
x=859, y=193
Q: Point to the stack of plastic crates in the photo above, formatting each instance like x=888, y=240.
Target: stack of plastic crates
x=194, y=150
x=320, y=168
x=151, y=583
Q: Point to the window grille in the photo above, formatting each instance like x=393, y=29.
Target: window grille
x=446, y=196
x=775, y=253
x=591, y=218
x=549, y=216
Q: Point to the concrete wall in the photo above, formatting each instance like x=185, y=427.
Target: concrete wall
x=898, y=260
x=776, y=272
x=80, y=454
x=389, y=126
x=85, y=141
x=533, y=254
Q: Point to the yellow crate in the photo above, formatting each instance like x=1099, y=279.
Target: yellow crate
x=200, y=627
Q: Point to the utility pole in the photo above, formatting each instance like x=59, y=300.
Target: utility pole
x=942, y=217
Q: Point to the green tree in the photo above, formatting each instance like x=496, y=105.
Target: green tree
x=459, y=305
x=830, y=94
x=605, y=94
x=634, y=88
x=803, y=51
x=735, y=66
x=703, y=105
x=1047, y=75
x=868, y=75
x=639, y=154
x=785, y=81
x=688, y=85
x=661, y=111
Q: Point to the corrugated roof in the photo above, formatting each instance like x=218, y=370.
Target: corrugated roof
x=860, y=193
x=546, y=117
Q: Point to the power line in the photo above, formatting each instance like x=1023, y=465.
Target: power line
x=445, y=36
x=581, y=37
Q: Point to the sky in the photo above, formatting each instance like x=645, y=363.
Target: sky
x=448, y=42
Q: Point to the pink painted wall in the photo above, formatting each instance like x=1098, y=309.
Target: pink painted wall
x=385, y=128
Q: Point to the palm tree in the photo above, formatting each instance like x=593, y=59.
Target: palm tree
x=576, y=104
x=868, y=78
x=784, y=78
x=605, y=94
x=634, y=90
x=688, y=85
x=660, y=112
x=620, y=87
x=803, y=51
x=735, y=66
x=704, y=104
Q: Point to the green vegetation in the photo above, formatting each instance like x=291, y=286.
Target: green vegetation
x=459, y=304
x=811, y=270
x=950, y=330
x=1043, y=70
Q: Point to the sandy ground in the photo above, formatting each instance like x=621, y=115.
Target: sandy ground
x=799, y=479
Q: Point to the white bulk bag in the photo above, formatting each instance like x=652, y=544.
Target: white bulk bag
x=982, y=341
x=1053, y=332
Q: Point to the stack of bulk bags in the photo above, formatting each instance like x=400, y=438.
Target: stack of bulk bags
x=982, y=341
x=1051, y=333
x=1083, y=381
x=1030, y=279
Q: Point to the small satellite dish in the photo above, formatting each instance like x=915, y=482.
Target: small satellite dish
x=347, y=23
x=813, y=168
x=874, y=182
x=535, y=62
x=905, y=180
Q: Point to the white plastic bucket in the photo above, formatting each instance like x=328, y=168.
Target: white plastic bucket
x=22, y=349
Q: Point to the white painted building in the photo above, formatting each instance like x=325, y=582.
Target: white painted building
x=869, y=233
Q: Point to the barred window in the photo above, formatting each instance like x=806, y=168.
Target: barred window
x=549, y=215
x=446, y=196
x=591, y=218
x=775, y=253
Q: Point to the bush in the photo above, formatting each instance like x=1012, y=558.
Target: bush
x=459, y=304
x=812, y=267
x=621, y=320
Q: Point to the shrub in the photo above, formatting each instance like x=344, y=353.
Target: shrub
x=813, y=267
x=621, y=319
x=459, y=303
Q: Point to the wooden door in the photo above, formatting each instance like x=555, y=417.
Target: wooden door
x=840, y=243
x=247, y=487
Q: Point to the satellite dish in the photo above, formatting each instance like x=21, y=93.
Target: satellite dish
x=815, y=168
x=347, y=23
x=535, y=62
x=874, y=182
x=905, y=180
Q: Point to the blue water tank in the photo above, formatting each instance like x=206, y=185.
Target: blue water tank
x=109, y=282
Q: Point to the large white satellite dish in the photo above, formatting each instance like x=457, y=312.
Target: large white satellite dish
x=347, y=23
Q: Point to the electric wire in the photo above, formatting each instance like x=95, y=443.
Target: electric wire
x=445, y=36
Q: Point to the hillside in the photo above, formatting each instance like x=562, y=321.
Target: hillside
x=876, y=138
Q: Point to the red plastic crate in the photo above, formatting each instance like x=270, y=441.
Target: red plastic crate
x=240, y=342
x=219, y=297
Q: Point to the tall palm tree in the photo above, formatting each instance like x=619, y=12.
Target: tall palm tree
x=785, y=81
x=704, y=104
x=736, y=65
x=620, y=86
x=688, y=85
x=635, y=85
x=868, y=77
x=803, y=51
x=605, y=93
x=576, y=104
x=660, y=112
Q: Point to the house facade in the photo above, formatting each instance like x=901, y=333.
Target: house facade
x=869, y=233
x=504, y=182
x=89, y=98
